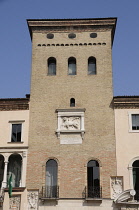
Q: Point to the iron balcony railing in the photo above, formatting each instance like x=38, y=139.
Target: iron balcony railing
x=136, y=196
x=93, y=192
x=50, y=192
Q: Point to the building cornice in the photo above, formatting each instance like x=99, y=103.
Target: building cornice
x=9, y=104
x=66, y=25
x=122, y=102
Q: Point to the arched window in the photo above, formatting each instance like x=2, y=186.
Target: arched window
x=51, y=179
x=51, y=66
x=135, y=168
x=1, y=169
x=92, y=65
x=14, y=169
x=72, y=66
x=72, y=102
x=93, y=179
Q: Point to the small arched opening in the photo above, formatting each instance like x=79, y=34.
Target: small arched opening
x=92, y=65
x=72, y=102
x=72, y=66
x=51, y=66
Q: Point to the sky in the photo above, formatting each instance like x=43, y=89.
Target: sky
x=15, y=43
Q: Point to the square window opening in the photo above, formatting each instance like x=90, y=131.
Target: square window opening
x=16, y=132
x=135, y=121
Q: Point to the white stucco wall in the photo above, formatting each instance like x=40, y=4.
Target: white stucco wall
x=127, y=144
x=6, y=117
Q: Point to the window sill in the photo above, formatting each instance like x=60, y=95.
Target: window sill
x=72, y=74
x=133, y=131
x=9, y=142
x=70, y=131
x=51, y=74
x=15, y=189
x=94, y=199
x=49, y=198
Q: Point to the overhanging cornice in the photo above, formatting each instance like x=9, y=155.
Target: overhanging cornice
x=58, y=25
x=129, y=102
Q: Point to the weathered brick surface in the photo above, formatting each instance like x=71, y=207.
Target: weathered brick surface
x=92, y=92
x=14, y=104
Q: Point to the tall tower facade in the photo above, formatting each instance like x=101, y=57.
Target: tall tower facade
x=71, y=154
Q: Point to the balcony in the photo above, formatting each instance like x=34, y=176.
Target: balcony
x=136, y=197
x=93, y=193
x=49, y=192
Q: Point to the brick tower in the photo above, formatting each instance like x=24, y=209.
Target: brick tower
x=71, y=154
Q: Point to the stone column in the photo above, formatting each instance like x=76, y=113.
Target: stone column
x=82, y=122
x=4, y=183
x=24, y=164
x=130, y=178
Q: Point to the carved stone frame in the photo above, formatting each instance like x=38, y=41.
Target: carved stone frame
x=70, y=113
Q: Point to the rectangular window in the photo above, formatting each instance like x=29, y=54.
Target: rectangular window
x=91, y=68
x=135, y=121
x=72, y=69
x=16, y=132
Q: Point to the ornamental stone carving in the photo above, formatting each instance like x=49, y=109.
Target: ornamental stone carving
x=70, y=123
x=116, y=186
x=15, y=202
x=24, y=155
x=32, y=200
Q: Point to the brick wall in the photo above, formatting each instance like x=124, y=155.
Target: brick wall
x=92, y=92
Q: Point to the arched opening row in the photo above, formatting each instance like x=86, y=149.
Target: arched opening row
x=72, y=67
x=93, y=189
x=11, y=169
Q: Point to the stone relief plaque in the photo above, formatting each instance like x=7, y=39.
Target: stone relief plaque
x=116, y=186
x=15, y=202
x=70, y=123
x=32, y=200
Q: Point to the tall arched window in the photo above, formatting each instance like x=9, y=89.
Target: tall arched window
x=135, y=168
x=51, y=66
x=51, y=179
x=92, y=65
x=14, y=169
x=93, y=179
x=72, y=66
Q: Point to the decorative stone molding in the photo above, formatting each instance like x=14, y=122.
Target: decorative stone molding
x=24, y=154
x=50, y=26
x=116, y=186
x=70, y=126
x=15, y=202
x=72, y=44
x=32, y=200
x=126, y=198
x=122, y=102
